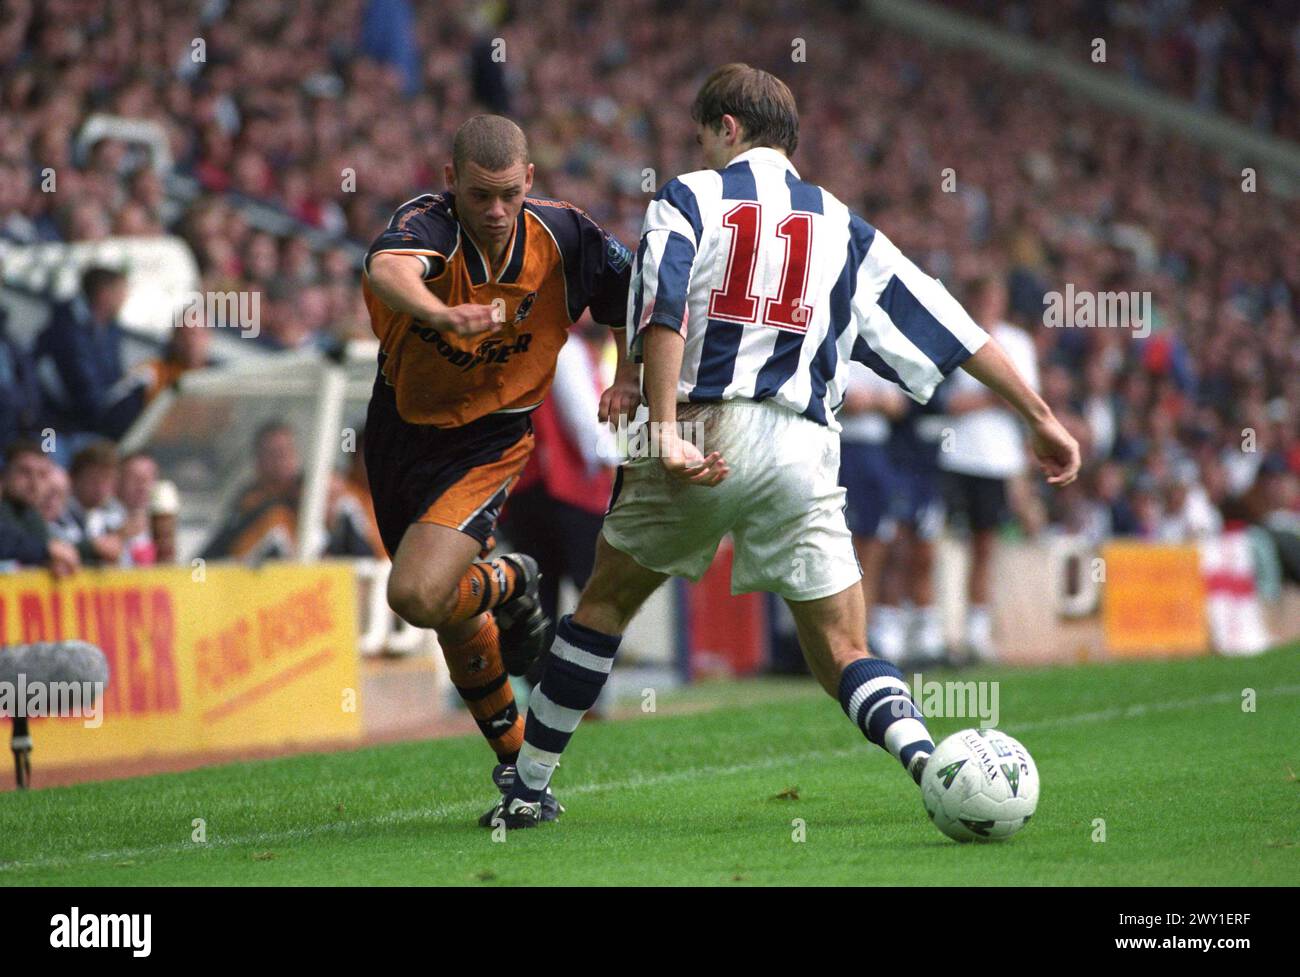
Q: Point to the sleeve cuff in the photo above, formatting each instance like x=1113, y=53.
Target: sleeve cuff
x=433, y=261
x=636, y=342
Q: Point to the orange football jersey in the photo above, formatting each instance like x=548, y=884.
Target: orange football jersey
x=558, y=263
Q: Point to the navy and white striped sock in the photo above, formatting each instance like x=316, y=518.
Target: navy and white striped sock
x=580, y=662
x=876, y=698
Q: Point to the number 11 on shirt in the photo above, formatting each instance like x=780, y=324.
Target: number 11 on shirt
x=736, y=301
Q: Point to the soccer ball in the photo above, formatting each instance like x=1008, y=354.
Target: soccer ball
x=980, y=785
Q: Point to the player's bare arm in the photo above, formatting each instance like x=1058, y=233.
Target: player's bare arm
x=398, y=280
x=621, y=399
x=966, y=403
x=1055, y=448
x=681, y=459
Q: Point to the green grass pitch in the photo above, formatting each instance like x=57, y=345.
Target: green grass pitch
x=1192, y=789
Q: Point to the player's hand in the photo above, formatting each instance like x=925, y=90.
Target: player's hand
x=687, y=463
x=468, y=320
x=1056, y=450
x=621, y=400
x=64, y=559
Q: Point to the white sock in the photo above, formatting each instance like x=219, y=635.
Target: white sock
x=979, y=631
x=887, y=631
x=929, y=633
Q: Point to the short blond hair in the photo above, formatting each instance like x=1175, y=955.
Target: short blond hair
x=490, y=141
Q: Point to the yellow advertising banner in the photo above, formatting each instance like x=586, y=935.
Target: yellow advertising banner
x=224, y=658
x=1153, y=601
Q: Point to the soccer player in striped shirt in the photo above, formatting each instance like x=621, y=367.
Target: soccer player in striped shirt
x=751, y=291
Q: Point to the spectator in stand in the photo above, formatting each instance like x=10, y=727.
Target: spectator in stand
x=1148, y=512
x=1188, y=512
x=290, y=316
x=20, y=394
x=24, y=475
x=1274, y=505
x=188, y=348
x=1116, y=513
x=55, y=495
x=79, y=356
x=94, y=508
x=164, y=507
x=264, y=522
x=25, y=538
x=136, y=483
x=15, y=192
x=20, y=549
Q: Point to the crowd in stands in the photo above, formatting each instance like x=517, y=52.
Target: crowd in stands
x=74, y=377
x=1236, y=58
x=336, y=111
x=101, y=511
x=108, y=510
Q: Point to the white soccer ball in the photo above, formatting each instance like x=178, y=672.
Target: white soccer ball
x=980, y=785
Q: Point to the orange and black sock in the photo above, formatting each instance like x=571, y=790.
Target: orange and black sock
x=480, y=678
x=485, y=585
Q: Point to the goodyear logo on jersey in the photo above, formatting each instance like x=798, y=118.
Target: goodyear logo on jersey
x=492, y=350
x=489, y=351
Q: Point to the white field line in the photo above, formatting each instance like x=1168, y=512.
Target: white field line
x=467, y=808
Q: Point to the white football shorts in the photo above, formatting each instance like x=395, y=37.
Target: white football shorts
x=782, y=504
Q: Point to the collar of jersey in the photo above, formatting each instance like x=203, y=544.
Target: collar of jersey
x=766, y=155
x=491, y=275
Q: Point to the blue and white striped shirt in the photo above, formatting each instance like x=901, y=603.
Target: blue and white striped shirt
x=776, y=286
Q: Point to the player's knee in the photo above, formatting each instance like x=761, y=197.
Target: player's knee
x=416, y=602
x=403, y=599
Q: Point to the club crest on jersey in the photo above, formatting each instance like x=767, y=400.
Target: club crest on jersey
x=525, y=307
x=618, y=256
